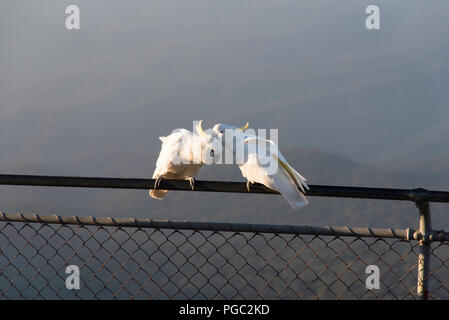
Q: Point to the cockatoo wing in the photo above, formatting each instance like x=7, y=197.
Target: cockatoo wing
x=163, y=163
x=285, y=180
x=169, y=163
x=171, y=146
x=297, y=178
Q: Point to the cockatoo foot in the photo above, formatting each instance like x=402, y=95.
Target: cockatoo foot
x=248, y=185
x=157, y=183
x=192, y=182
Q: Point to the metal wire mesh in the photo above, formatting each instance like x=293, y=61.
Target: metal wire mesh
x=119, y=262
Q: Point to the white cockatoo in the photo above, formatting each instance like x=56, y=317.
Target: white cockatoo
x=182, y=155
x=258, y=152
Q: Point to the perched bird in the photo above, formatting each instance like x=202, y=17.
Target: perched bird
x=258, y=152
x=182, y=155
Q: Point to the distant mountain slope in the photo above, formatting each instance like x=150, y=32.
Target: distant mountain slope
x=427, y=172
x=317, y=166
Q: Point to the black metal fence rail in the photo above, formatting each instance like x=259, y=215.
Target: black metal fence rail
x=144, y=258
x=417, y=194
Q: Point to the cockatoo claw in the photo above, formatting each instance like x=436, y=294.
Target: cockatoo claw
x=157, y=183
x=192, y=182
x=248, y=185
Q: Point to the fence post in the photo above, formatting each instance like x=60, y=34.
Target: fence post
x=424, y=253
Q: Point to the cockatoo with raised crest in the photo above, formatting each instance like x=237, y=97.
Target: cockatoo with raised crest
x=182, y=155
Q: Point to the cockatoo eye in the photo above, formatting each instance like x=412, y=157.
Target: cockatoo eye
x=221, y=131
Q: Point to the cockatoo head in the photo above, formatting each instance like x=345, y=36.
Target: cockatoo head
x=220, y=129
x=211, y=148
x=230, y=136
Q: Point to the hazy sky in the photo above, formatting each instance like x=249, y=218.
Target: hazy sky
x=138, y=69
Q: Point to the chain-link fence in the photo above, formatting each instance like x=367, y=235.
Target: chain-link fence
x=145, y=259
x=141, y=259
